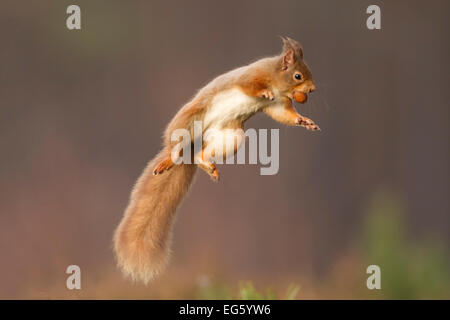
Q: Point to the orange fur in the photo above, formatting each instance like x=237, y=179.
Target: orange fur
x=142, y=239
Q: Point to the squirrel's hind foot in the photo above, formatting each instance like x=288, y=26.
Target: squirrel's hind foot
x=214, y=175
x=210, y=169
x=164, y=165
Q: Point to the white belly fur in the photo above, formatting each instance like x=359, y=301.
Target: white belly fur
x=230, y=105
x=226, y=107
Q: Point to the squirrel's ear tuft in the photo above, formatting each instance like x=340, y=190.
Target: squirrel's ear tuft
x=292, y=50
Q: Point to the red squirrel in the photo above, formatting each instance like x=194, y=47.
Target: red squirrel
x=142, y=239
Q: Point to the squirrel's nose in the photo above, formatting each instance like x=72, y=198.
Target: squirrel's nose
x=312, y=87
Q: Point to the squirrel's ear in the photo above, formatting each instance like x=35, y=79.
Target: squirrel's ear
x=288, y=59
x=292, y=50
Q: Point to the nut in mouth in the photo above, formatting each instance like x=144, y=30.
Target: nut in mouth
x=300, y=97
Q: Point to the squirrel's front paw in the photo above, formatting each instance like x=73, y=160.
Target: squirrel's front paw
x=307, y=123
x=266, y=94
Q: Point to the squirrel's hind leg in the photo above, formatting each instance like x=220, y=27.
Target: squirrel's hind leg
x=221, y=144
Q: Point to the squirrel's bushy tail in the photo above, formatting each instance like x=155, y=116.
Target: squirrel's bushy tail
x=142, y=239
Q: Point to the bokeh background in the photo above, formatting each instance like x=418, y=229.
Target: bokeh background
x=81, y=113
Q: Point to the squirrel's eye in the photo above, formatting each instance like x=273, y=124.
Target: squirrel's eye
x=298, y=76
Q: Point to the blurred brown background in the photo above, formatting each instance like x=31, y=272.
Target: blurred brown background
x=82, y=112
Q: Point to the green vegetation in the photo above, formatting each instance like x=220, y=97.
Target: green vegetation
x=415, y=269
x=411, y=267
